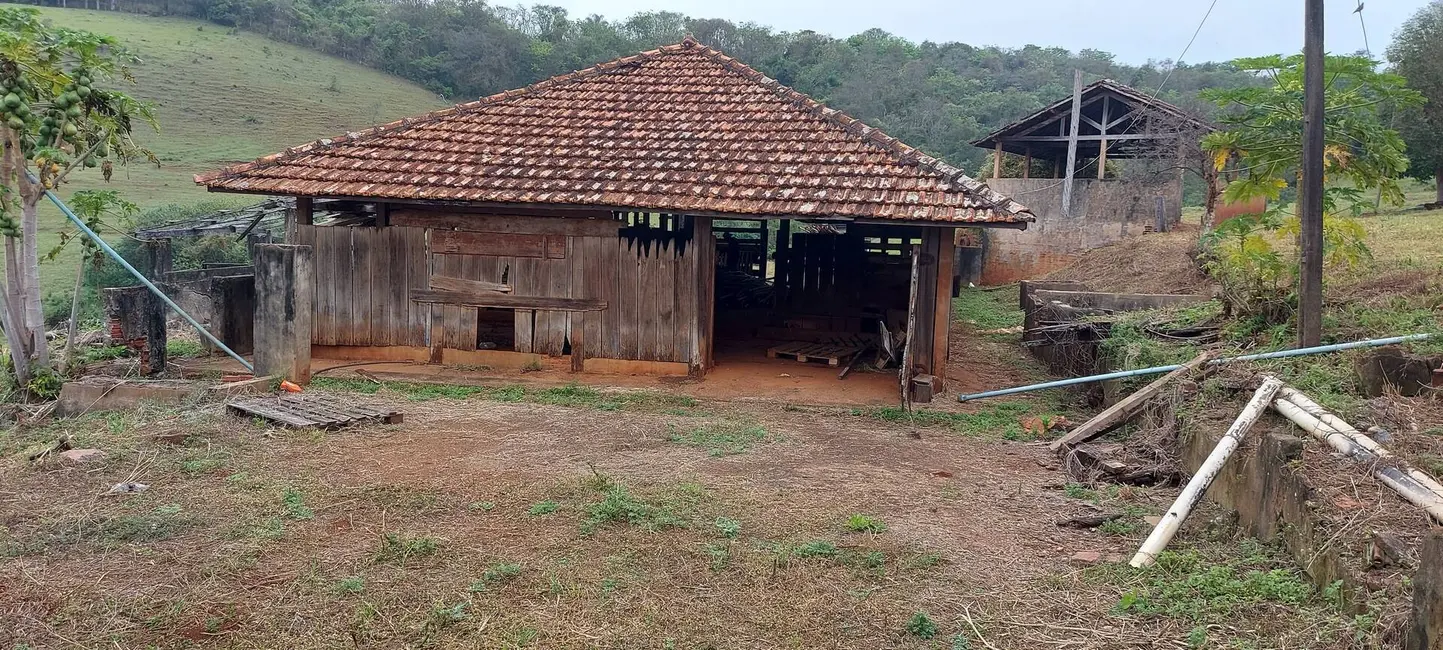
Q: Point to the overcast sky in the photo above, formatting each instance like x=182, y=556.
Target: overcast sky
x=1134, y=30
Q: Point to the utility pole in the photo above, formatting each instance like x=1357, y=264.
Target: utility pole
x=1310, y=185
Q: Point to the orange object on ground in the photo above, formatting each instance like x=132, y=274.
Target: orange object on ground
x=290, y=387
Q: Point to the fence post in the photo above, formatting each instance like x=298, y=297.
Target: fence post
x=1160, y=214
x=284, y=294
x=159, y=260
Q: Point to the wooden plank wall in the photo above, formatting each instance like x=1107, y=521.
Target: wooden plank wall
x=364, y=278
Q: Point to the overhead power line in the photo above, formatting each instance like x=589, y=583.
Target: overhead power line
x=1177, y=62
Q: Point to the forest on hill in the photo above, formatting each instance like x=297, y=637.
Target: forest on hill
x=936, y=96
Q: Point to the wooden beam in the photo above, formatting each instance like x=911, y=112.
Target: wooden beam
x=521, y=225
x=1072, y=143
x=578, y=348
x=447, y=283
x=1089, y=138
x=997, y=161
x=1124, y=409
x=507, y=301
x=1027, y=163
x=487, y=243
x=1102, y=145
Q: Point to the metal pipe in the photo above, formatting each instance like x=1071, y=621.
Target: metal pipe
x=80, y=223
x=1122, y=374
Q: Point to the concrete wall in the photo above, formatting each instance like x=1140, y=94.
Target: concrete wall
x=1104, y=211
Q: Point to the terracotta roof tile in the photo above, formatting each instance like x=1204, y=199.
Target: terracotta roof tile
x=681, y=128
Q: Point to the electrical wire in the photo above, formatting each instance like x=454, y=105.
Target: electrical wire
x=1364, y=25
x=1190, y=41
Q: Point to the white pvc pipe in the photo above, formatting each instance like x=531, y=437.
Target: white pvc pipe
x=1337, y=424
x=1193, y=492
x=1404, y=483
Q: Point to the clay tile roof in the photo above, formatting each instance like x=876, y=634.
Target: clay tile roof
x=683, y=128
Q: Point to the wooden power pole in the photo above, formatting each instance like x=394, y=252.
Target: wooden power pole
x=1072, y=143
x=1310, y=185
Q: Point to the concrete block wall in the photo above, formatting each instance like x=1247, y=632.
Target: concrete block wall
x=1104, y=212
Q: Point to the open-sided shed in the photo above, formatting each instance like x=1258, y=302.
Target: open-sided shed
x=646, y=214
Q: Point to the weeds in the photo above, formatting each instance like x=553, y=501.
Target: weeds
x=295, y=504
x=987, y=310
x=541, y=508
x=396, y=548
x=1001, y=420
x=495, y=575
x=860, y=523
x=727, y=527
x=619, y=506
x=722, y=438
x=350, y=585
x=921, y=626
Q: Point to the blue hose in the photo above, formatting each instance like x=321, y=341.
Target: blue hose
x=79, y=223
x=1121, y=374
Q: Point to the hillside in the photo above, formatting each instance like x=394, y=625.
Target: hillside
x=225, y=96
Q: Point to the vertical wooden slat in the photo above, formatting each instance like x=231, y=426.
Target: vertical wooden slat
x=627, y=267
x=666, y=305
x=325, y=251
x=684, y=299
x=558, y=274
x=343, y=281
x=578, y=341
x=593, y=285
x=362, y=285
x=393, y=268
x=705, y=295
x=522, y=277
x=611, y=252
x=646, y=284
x=418, y=266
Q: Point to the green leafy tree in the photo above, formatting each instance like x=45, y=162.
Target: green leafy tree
x=1261, y=145
x=56, y=117
x=1417, y=54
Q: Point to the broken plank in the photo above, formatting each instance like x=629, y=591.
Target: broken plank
x=448, y=283
x=507, y=301
x=1126, y=408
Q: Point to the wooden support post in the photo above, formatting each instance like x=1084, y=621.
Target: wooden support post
x=1072, y=143
x=1102, y=144
x=780, y=261
x=158, y=258
x=997, y=161
x=1159, y=214
x=383, y=214
x=1427, y=630
x=942, y=314
x=578, y=348
x=1027, y=163
x=304, y=211
x=284, y=298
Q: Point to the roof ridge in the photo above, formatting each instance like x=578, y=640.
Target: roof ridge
x=953, y=176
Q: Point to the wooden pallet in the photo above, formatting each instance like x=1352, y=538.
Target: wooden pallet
x=790, y=334
x=319, y=411
x=803, y=351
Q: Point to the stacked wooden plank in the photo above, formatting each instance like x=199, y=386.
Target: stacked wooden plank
x=803, y=351
x=320, y=411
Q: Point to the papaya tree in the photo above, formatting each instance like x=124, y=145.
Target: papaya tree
x=57, y=116
x=1261, y=148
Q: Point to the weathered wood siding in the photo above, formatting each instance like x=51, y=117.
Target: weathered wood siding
x=653, y=289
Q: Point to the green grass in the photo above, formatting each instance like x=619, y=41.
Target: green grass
x=1001, y=420
x=571, y=395
x=221, y=97
x=988, y=310
x=400, y=549
x=722, y=438
x=860, y=523
x=495, y=575
x=541, y=508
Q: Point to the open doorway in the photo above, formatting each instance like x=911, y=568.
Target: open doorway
x=814, y=302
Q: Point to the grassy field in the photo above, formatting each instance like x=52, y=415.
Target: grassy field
x=222, y=97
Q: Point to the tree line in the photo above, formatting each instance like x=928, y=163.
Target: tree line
x=936, y=96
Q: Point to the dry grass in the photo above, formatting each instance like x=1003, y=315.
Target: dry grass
x=418, y=535
x=1151, y=263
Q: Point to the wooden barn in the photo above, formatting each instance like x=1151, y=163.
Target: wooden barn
x=652, y=214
